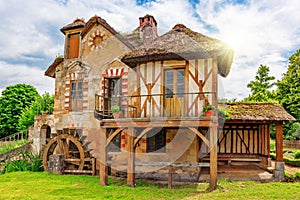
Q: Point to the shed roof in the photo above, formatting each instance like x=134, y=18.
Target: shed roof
x=258, y=112
x=77, y=23
x=183, y=43
x=51, y=69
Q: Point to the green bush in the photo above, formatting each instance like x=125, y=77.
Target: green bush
x=293, y=162
x=297, y=155
x=28, y=162
x=44, y=103
x=273, y=156
x=16, y=165
x=297, y=175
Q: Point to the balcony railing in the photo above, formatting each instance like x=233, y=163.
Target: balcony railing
x=180, y=105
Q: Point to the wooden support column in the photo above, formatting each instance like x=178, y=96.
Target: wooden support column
x=213, y=156
x=214, y=129
x=103, y=158
x=170, y=177
x=131, y=158
x=279, y=143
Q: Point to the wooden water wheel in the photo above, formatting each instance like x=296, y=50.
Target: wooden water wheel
x=71, y=147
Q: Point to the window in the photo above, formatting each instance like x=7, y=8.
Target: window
x=174, y=83
x=112, y=90
x=115, y=144
x=156, y=141
x=76, y=98
x=73, y=45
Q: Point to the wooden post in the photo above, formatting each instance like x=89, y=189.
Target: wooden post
x=131, y=158
x=103, y=158
x=279, y=143
x=170, y=178
x=213, y=156
x=214, y=129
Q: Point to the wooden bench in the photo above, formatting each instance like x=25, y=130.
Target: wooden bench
x=171, y=166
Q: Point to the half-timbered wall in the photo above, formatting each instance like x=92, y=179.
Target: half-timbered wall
x=197, y=79
x=244, y=139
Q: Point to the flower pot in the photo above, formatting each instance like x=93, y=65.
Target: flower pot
x=117, y=115
x=209, y=113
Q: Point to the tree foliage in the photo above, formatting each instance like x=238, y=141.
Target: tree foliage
x=261, y=85
x=288, y=94
x=13, y=101
x=44, y=103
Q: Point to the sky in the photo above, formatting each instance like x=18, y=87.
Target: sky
x=260, y=32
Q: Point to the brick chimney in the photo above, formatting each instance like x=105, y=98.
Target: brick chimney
x=147, y=29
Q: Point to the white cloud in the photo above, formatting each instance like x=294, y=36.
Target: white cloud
x=261, y=32
x=14, y=74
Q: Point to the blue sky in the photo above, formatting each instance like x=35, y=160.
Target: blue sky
x=260, y=31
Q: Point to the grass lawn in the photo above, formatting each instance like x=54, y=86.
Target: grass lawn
x=41, y=185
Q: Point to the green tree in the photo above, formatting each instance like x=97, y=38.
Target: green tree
x=288, y=92
x=261, y=85
x=12, y=102
x=44, y=103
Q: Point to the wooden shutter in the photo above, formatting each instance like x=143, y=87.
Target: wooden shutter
x=73, y=45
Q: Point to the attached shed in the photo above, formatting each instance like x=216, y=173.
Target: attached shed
x=245, y=136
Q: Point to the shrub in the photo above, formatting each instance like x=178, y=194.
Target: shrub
x=297, y=155
x=28, y=162
x=273, y=156
x=16, y=165
x=293, y=162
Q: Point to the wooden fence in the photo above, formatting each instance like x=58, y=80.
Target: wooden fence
x=293, y=144
x=15, y=137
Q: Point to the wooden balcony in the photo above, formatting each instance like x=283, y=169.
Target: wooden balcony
x=157, y=110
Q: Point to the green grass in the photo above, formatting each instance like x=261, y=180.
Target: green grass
x=41, y=185
x=12, y=145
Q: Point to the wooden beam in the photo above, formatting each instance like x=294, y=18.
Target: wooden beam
x=111, y=137
x=213, y=157
x=131, y=158
x=170, y=177
x=157, y=122
x=103, y=158
x=279, y=143
x=145, y=131
x=201, y=136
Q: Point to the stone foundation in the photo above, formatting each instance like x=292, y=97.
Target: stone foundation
x=56, y=164
x=279, y=170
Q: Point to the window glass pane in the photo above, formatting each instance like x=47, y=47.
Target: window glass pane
x=180, y=90
x=169, y=79
x=79, y=92
x=180, y=76
x=156, y=142
x=169, y=91
x=73, y=90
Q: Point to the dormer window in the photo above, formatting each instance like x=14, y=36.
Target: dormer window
x=73, y=45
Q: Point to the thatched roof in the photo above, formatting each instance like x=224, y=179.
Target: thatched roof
x=77, y=23
x=51, y=69
x=258, y=112
x=183, y=43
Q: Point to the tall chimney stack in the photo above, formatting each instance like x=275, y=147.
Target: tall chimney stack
x=147, y=29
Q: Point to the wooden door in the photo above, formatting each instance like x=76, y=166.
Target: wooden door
x=174, y=92
x=112, y=88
